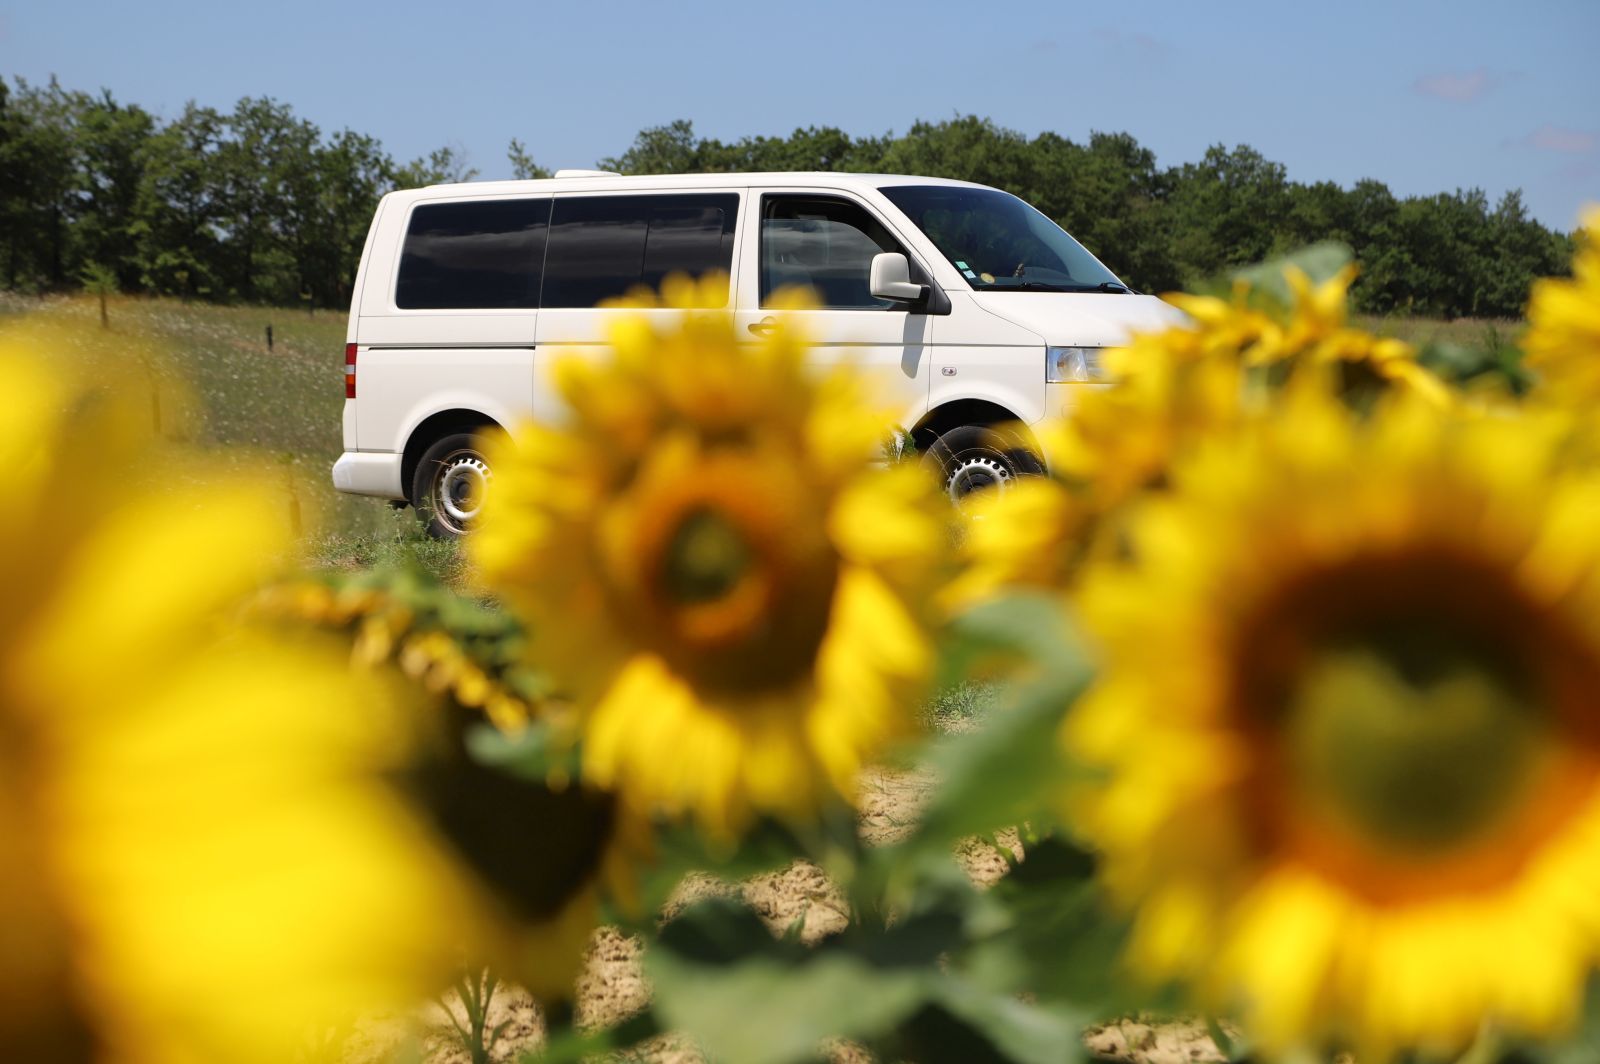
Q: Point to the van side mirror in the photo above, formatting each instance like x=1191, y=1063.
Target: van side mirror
x=891, y=279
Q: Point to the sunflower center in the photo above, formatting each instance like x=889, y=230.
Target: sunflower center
x=736, y=597
x=1412, y=739
x=1417, y=720
x=705, y=559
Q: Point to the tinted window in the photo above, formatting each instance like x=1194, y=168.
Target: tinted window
x=602, y=246
x=824, y=244
x=479, y=255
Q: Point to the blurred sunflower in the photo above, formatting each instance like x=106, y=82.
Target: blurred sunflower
x=1348, y=726
x=544, y=857
x=1170, y=391
x=716, y=563
x=201, y=860
x=1563, y=338
x=384, y=625
x=543, y=851
x=1316, y=333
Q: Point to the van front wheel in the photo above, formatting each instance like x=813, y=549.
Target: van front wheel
x=449, y=485
x=974, y=458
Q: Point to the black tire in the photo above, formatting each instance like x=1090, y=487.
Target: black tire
x=972, y=458
x=449, y=483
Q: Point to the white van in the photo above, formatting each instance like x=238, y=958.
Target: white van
x=969, y=306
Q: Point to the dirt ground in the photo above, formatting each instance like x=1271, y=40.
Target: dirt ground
x=612, y=987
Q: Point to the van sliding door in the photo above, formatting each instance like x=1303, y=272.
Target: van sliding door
x=603, y=246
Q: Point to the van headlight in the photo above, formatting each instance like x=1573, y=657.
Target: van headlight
x=1072, y=364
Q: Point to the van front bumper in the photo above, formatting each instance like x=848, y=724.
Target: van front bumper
x=369, y=473
x=1062, y=398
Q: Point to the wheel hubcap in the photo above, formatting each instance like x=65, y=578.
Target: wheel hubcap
x=459, y=489
x=975, y=473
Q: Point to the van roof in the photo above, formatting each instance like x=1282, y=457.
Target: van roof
x=602, y=182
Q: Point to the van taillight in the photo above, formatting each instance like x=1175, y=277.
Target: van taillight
x=349, y=371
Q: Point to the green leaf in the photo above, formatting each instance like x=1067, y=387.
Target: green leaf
x=1006, y=771
x=1026, y=627
x=569, y=1046
x=1012, y=1029
x=535, y=753
x=1583, y=1045
x=1054, y=935
x=1269, y=288
x=766, y=846
x=749, y=998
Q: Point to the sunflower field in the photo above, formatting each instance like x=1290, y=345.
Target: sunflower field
x=1292, y=729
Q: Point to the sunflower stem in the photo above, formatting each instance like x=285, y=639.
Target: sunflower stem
x=1487, y=1048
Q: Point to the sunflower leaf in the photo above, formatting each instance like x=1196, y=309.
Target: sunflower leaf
x=742, y=994
x=1269, y=288
x=570, y=1046
x=537, y=753
x=967, y=1022
x=1049, y=933
x=1004, y=772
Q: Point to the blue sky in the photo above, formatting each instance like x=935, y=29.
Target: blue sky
x=1425, y=96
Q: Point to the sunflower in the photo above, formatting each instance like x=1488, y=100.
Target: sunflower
x=1169, y=391
x=1563, y=339
x=1349, y=726
x=385, y=625
x=543, y=851
x=544, y=855
x=1315, y=333
x=715, y=562
x=202, y=860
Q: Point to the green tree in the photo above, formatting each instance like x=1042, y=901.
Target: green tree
x=113, y=144
x=39, y=157
x=523, y=168
x=355, y=173
x=442, y=166
x=257, y=204
x=251, y=167
x=1226, y=210
x=669, y=149
x=182, y=206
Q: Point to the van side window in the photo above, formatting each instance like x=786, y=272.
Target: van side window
x=477, y=255
x=824, y=244
x=603, y=246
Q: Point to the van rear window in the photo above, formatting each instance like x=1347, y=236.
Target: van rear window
x=602, y=246
x=480, y=255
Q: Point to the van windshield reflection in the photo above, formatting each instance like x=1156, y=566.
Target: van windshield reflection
x=1000, y=243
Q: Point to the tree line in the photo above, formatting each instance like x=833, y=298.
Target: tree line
x=258, y=205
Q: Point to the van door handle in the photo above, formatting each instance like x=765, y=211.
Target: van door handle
x=764, y=326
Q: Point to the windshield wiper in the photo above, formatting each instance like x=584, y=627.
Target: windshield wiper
x=1041, y=286
x=1033, y=286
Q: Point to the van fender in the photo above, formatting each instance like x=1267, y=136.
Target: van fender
x=469, y=405
x=1024, y=405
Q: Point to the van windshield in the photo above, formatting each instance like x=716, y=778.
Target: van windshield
x=1000, y=243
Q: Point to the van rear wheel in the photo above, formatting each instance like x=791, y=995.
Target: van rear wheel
x=975, y=458
x=449, y=485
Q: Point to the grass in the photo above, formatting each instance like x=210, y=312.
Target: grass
x=1487, y=334
x=246, y=404
x=397, y=540
x=1463, y=349
x=958, y=708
